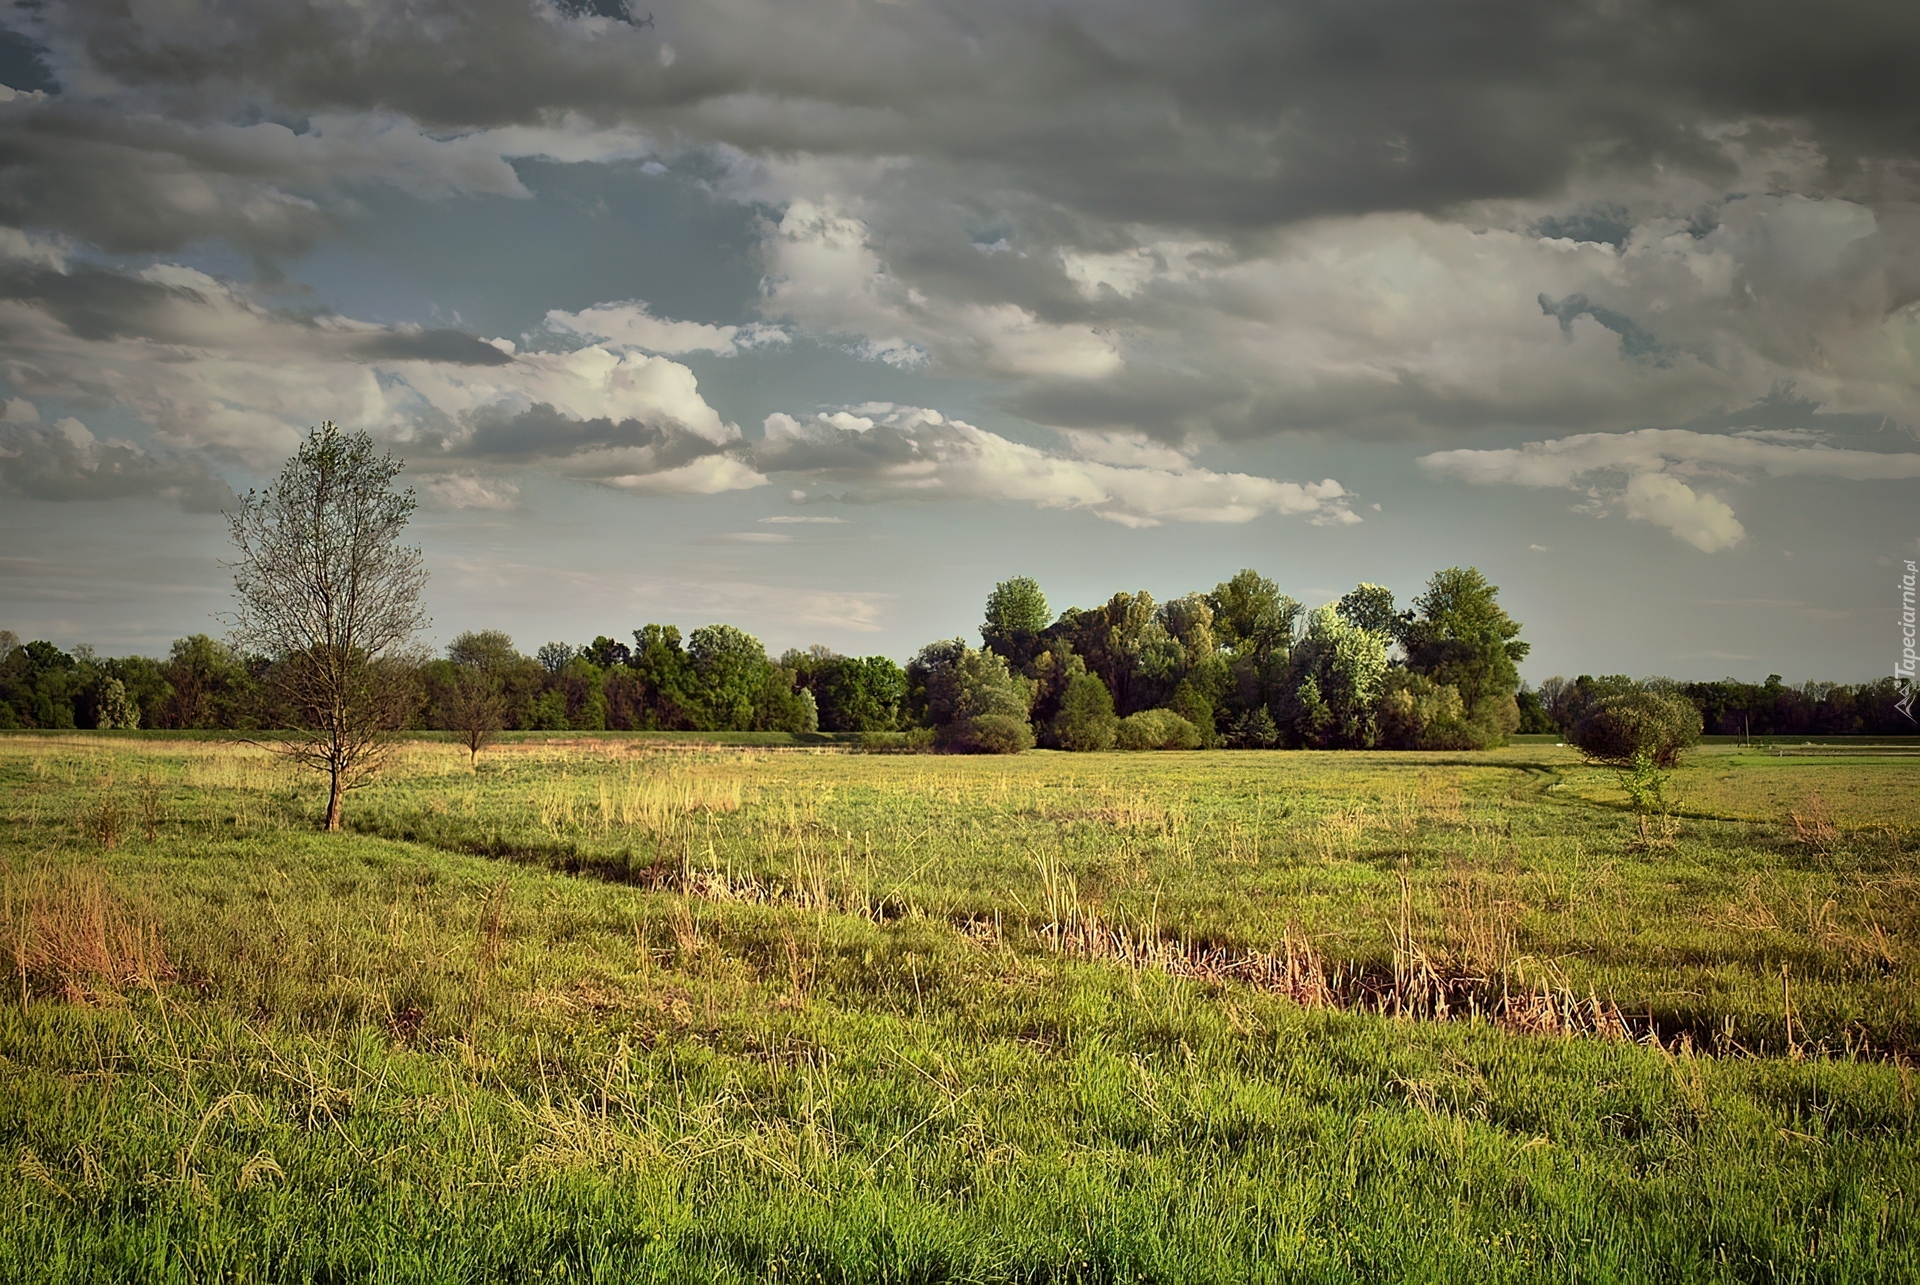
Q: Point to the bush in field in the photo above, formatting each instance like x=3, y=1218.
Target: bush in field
x=1652, y=725
x=1086, y=720
x=1156, y=729
x=995, y=734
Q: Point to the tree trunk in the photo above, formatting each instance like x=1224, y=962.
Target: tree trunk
x=333, y=802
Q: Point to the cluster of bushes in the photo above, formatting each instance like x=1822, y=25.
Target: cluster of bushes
x=1243, y=665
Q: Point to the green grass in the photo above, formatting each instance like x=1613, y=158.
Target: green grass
x=469, y=1042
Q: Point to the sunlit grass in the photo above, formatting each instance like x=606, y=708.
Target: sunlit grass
x=802, y=1015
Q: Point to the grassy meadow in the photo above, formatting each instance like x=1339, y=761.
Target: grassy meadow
x=607, y=1009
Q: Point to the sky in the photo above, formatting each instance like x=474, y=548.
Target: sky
x=819, y=317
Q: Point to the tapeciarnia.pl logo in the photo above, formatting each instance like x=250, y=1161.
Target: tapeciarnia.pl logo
x=1903, y=668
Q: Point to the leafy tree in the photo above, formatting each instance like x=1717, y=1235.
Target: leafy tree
x=1256, y=624
x=1534, y=718
x=1017, y=617
x=1192, y=701
x=488, y=650
x=1463, y=639
x=1110, y=640
x=606, y=652
x=1370, y=606
x=1254, y=730
x=1086, y=720
x=662, y=665
x=1340, y=668
x=39, y=682
x=145, y=685
x=1566, y=703
x=1650, y=725
x=972, y=701
x=583, y=686
x=1252, y=616
x=1156, y=729
x=554, y=656
x=1189, y=621
x=783, y=707
x=207, y=685
x=328, y=591
x=117, y=709
x=729, y=671
x=548, y=712
x=859, y=694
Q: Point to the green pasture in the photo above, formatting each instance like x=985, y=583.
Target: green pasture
x=609, y=1009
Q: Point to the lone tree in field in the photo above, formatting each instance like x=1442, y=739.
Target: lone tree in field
x=474, y=703
x=329, y=593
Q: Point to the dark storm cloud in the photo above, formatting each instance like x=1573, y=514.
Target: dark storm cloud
x=1228, y=114
x=139, y=185
x=92, y=302
x=49, y=464
x=542, y=433
x=100, y=304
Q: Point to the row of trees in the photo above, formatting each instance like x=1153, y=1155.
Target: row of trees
x=720, y=679
x=1242, y=665
x=1729, y=707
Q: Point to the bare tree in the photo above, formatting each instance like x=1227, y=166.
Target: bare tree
x=329, y=593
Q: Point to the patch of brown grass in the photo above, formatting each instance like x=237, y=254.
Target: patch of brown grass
x=71, y=934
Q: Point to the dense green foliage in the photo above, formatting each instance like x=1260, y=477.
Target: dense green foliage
x=1155, y=729
x=843, y=1046
x=1636, y=725
x=1086, y=720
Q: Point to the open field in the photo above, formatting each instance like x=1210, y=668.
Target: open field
x=603, y=1010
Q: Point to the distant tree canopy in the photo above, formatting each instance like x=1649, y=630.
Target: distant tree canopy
x=1242, y=665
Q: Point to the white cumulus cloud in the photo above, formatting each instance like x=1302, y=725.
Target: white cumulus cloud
x=1660, y=466
x=880, y=451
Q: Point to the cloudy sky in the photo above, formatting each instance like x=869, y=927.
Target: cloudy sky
x=821, y=316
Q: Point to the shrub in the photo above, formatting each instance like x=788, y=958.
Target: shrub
x=1156, y=729
x=1086, y=720
x=1656, y=725
x=996, y=734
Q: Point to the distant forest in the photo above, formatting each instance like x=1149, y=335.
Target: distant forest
x=1242, y=666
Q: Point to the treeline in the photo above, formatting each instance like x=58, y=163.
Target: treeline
x=1729, y=707
x=1243, y=665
